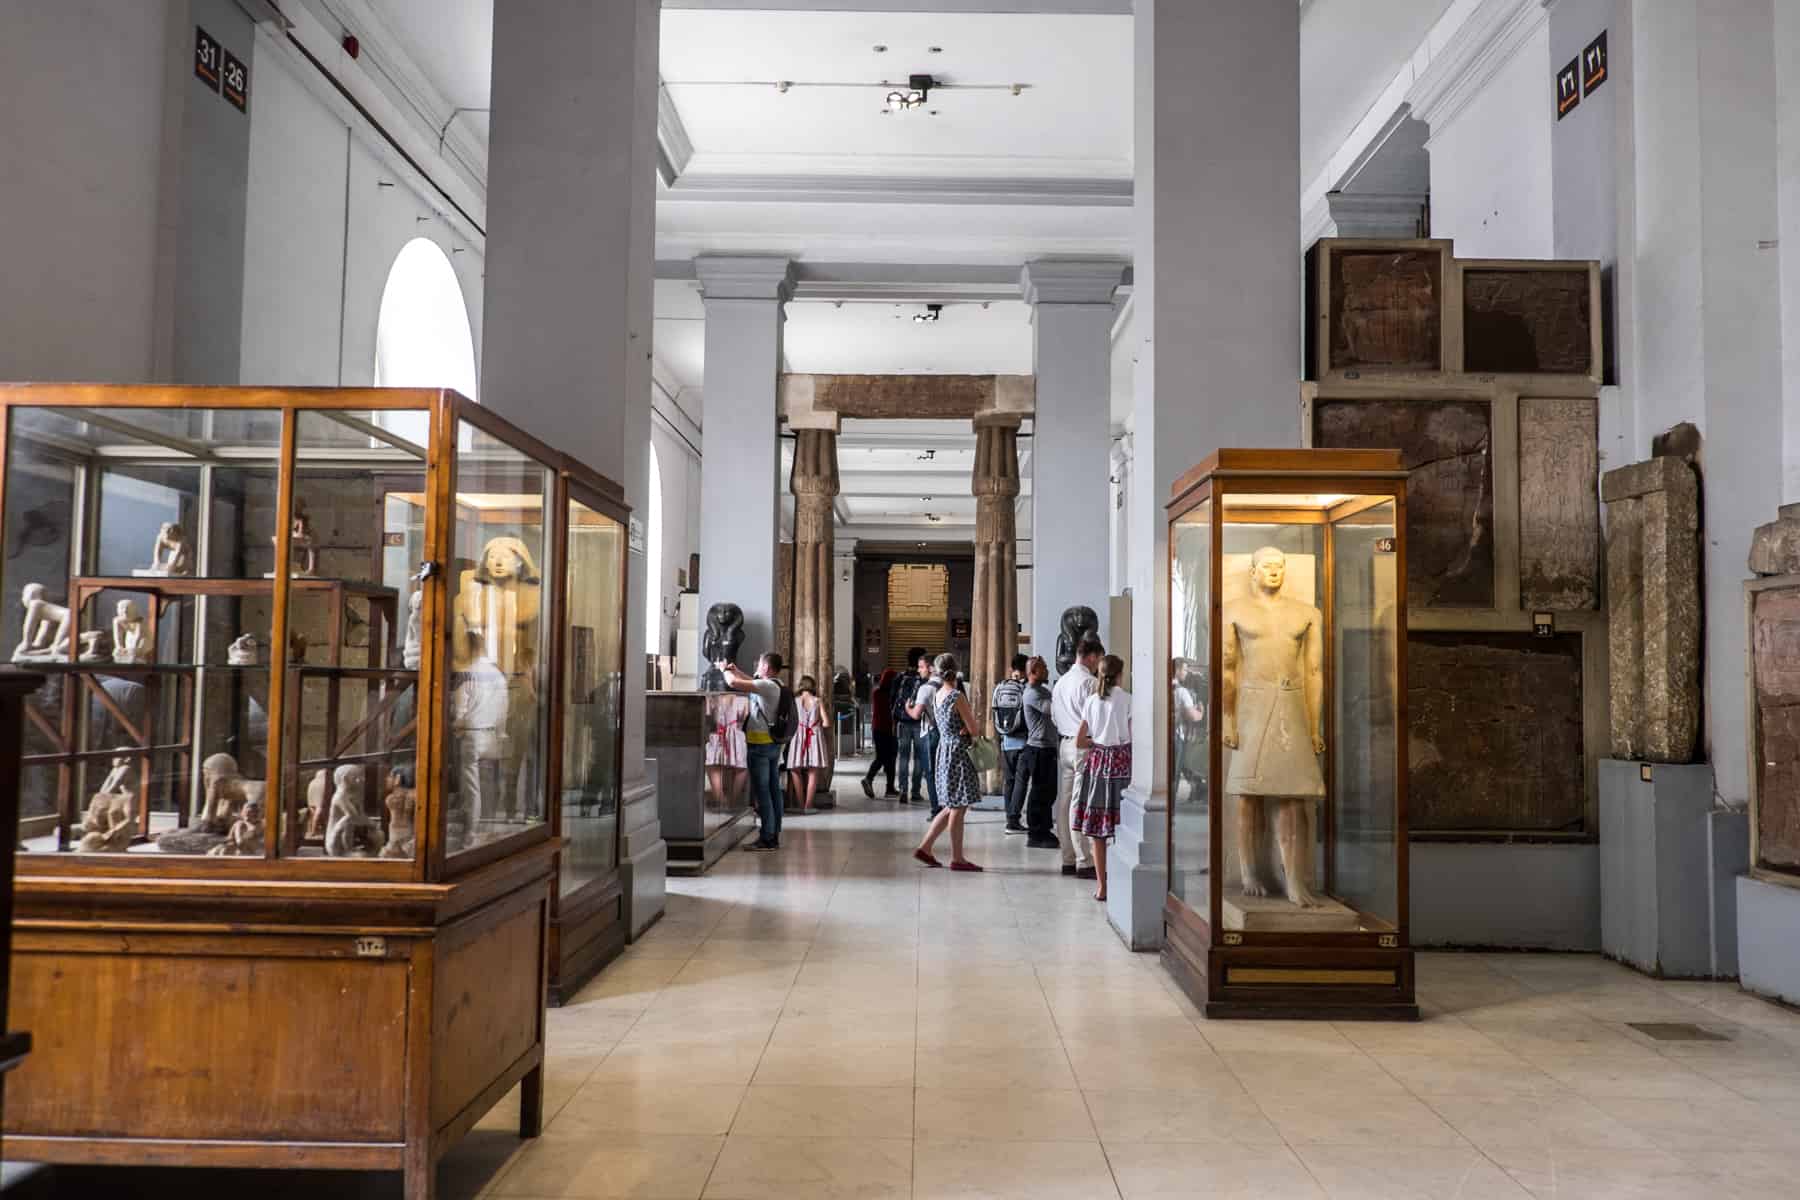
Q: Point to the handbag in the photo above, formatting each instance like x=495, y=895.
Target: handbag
x=984, y=753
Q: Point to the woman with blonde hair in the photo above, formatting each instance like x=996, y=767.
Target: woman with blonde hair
x=958, y=789
x=808, y=755
x=1105, y=734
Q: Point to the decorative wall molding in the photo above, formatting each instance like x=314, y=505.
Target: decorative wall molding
x=673, y=148
x=1045, y=7
x=1487, y=41
x=895, y=189
x=1070, y=281
x=745, y=277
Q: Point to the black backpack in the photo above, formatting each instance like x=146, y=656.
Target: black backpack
x=781, y=725
x=1009, y=719
x=905, y=688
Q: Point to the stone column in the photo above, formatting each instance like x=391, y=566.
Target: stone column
x=814, y=482
x=1216, y=199
x=1653, y=608
x=740, y=511
x=571, y=269
x=1072, y=319
x=996, y=601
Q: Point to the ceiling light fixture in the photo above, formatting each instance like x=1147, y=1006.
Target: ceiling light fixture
x=933, y=312
x=918, y=89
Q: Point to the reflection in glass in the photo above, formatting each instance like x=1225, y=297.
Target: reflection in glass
x=595, y=656
x=1364, y=873
x=1190, y=814
x=498, y=642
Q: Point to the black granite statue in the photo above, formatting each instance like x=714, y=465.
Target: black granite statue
x=1078, y=621
x=724, y=638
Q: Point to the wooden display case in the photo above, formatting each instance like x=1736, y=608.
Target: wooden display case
x=362, y=813
x=1287, y=836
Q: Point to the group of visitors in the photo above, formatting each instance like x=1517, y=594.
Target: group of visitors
x=786, y=732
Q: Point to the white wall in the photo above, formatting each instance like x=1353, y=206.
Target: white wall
x=326, y=218
x=680, y=467
x=1787, y=105
x=1491, y=162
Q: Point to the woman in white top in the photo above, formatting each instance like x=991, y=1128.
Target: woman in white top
x=1105, y=734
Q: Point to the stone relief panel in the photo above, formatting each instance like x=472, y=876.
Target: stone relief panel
x=1527, y=321
x=1494, y=738
x=1775, y=657
x=1559, y=505
x=1385, y=309
x=1447, y=446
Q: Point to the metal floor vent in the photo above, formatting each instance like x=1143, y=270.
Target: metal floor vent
x=1676, y=1031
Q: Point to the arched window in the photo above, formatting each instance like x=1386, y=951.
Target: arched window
x=653, y=558
x=422, y=336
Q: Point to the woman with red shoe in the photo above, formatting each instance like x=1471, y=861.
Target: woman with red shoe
x=958, y=788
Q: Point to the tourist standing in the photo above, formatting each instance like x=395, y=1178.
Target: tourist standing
x=761, y=747
x=1066, y=701
x=908, y=745
x=1105, y=736
x=1007, y=710
x=808, y=755
x=1034, y=778
x=924, y=711
x=881, y=718
x=957, y=789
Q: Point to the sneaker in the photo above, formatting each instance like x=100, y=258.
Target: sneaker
x=1068, y=868
x=1086, y=873
x=760, y=846
x=891, y=794
x=868, y=789
x=1015, y=828
x=1043, y=842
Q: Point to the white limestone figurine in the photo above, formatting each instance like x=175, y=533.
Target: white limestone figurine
x=227, y=792
x=412, y=649
x=244, y=652
x=110, y=824
x=134, y=641
x=402, y=805
x=1272, y=691
x=350, y=832
x=246, y=837
x=90, y=646
x=44, y=633
x=172, y=555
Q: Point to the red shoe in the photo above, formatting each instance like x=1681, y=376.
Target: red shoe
x=964, y=866
x=926, y=858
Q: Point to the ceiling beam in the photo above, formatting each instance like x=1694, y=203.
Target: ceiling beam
x=896, y=189
x=1111, y=8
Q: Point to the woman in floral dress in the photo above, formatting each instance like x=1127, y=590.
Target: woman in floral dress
x=958, y=788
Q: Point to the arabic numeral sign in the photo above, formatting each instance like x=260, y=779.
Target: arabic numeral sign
x=1568, y=88
x=207, y=54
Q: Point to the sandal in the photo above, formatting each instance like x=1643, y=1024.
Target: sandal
x=925, y=857
x=965, y=865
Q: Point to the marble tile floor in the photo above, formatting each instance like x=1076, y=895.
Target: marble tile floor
x=831, y=1021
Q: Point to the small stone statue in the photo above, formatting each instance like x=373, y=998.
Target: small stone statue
x=246, y=837
x=244, y=652
x=724, y=638
x=1078, y=621
x=350, y=832
x=412, y=649
x=172, y=555
x=110, y=824
x=296, y=647
x=226, y=795
x=402, y=806
x=44, y=633
x=90, y=646
x=133, y=639
x=303, y=556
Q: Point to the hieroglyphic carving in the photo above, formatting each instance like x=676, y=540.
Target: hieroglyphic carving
x=995, y=616
x=1559, y=510
x=1775, y=659
x=1494, y=732
x=814, y=482
x=1449, y=493
x=1385, y=308
x=1653, y=608
x=1527, y=320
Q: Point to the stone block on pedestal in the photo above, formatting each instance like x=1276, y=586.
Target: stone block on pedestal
x=1653, y=608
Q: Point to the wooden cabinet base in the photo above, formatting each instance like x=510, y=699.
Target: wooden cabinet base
x=240, y=1023
x=587, y=931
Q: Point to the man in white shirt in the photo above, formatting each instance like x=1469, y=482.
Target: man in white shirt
x=1066, y=699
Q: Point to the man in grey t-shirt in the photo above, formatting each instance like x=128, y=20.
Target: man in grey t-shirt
x=923, y=710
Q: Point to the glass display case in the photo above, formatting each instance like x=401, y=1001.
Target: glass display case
x=1287, y=758
x=332, y=669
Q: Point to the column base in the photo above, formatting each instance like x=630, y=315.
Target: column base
x=1137, y=875
x=644, y=857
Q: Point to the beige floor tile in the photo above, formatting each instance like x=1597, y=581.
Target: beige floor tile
x=1224, y=1113
x=1001, y=1115
x=1333, y=1118
x=1444, y=1035
x=1045, y=1170
x=730, y=1061
x=1605, y=1075
x=1706, y=1124
x=875, y=1065
x=994, y=1067
x=1140, y=1068
x=1407, y=1173
x=840, y=1112
x=1176, y=1171
x=957, y=1028
x=1467, y=1074
x=1505, y=1123
x=1279, y=1073
x=696, y=1109
x=1586, y=1174
x=1300, y=1037
x=755, y=1168
x=605, y=1166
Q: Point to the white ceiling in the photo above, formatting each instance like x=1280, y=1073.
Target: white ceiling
x=1349, y=51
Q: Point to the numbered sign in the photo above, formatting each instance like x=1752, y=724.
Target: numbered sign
x=234, y=80
x=1593, y=65
x=207, y=58
x=1568, y=88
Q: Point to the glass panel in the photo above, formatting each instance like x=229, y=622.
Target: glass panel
x=148, y=737
x=1364, y=679
x=499, y=644
x=350, y=786
x=595, y=658
x=1190, y=639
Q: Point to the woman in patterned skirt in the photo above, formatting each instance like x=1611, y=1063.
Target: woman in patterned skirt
x=808, y=757
x=1105, y=734
x=957, y=786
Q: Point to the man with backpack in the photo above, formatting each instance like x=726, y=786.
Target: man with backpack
x=1008, y=712
x=923, y=709
x=909, y=747
x=766, y=731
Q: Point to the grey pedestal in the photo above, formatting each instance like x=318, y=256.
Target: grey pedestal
x=1667, y=861
x=1769, y=938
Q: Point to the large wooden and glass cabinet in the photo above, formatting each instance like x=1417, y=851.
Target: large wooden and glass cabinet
x=321, y=792
x=1287, y=749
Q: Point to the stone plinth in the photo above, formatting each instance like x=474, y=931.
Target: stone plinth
x=1274, y=914
x=1653, y=608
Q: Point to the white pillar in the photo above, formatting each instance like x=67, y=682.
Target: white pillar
x=1217, y=204
x=844, y=650
x=1072, y=319
x=741, y=485
x=570, y=272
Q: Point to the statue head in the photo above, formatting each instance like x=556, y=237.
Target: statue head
x=1268, y=570
x=506, y=560
x=1078, y=622
x=170, y=532
x=125, y=610
x=33, y=593
x=346, y=777
x=217, y=767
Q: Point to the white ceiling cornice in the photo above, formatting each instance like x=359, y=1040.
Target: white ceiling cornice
x=745, y=277
x=898, y=189
x=674, y=150
x=1070, y=281
x=1486, y=42
x=1023, y=7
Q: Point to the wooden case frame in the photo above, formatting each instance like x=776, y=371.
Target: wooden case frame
x=427, y=976
x=1327, y=976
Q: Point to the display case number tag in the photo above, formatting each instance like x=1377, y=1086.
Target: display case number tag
x=1543, y=624
x=1233, y=939
x=1384, y=545
x=1388, y=941
x=371, y=947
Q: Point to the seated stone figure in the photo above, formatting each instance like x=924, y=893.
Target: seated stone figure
x=724, y=638
x=44, y=633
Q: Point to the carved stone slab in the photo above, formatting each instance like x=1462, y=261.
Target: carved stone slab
x=1385, y=308
x=1775, y=547
x=1559, y=510
x=1449, y=491
x=1527, y=320
x=1775, y=660
x=1653, y=609
x=1494, y=732
x=820, y=401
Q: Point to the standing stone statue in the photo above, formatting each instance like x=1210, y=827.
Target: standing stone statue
x=1271, y=699
x=1078, y=621
x=724, y=638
